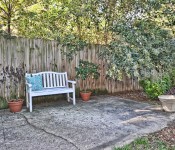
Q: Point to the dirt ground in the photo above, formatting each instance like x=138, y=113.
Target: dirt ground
x=166, y=135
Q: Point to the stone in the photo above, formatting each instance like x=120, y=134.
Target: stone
x=168, y=102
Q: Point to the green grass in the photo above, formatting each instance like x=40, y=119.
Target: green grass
x=145, y=143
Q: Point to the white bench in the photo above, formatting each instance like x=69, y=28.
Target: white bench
x=53, y=83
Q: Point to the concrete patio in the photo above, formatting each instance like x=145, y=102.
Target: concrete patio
x=102, y=123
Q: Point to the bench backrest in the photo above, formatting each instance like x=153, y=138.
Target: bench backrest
x=52, y=79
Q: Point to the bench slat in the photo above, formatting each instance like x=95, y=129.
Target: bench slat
x=44, y=80
x=61, y=83
x=64, y=80
x=57, y=80
x=47, y=78
x=54, y=80
x=51, y=80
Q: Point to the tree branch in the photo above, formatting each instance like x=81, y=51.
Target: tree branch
x=6, y=3
x=4, y=10
x=3, y=17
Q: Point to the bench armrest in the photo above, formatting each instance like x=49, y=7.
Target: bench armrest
x=70, y=81
x=28, y=87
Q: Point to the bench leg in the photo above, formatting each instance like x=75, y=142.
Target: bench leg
x=68, y=97
x=30, y=99
x=74, y=101
x=27, y=100
x=73, y=94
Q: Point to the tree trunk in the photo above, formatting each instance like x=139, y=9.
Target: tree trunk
x=9, y=26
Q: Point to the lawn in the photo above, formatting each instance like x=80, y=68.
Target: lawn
x=147, y=143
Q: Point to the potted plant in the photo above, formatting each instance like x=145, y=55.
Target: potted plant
x=86, y=70
x=11, y=78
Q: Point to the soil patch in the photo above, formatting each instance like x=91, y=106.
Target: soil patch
x=138, y=96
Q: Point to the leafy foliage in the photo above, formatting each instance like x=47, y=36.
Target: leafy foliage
x=138, y=36
x=155, y=88
x=91, y=21
x=73, y=44
x=172, y=76
x=11, y=78
x=143, y=44
x=3, y=103
x=86, y=70
x=10, y=13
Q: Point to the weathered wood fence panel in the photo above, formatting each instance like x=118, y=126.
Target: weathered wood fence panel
x=43, y=55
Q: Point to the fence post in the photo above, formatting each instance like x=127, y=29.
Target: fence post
x=27, y=55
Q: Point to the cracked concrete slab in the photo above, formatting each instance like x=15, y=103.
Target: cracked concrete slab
x=30, y=138
x=101, y=123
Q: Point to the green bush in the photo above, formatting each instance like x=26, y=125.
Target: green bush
x=3, y=103
x=155, y=88
x=87, y=70
x=172, y=76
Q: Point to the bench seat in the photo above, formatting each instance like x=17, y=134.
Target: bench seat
x=52, y=91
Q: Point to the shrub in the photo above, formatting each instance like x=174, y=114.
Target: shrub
x=87, y=70
x=3, y=103
x=155, y=88
x=11, y=78
x=172, y=76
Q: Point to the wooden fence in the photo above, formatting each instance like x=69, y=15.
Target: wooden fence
x=44, y=55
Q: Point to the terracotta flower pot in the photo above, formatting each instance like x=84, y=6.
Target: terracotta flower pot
x=85, y=95
x=15, y=106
